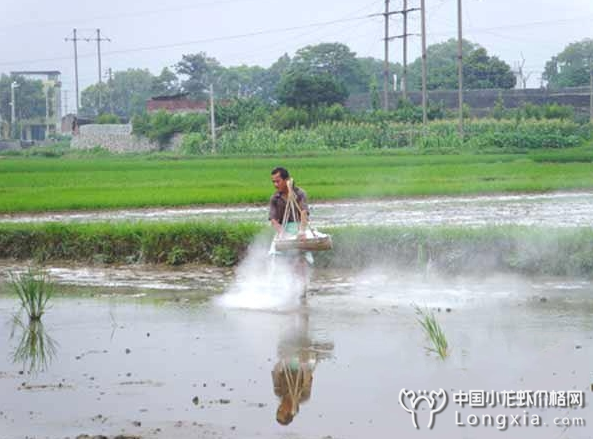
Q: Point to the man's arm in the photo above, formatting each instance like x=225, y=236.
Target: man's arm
x=273, y=216
x=277, y=226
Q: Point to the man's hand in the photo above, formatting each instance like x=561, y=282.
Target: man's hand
x=302, y=235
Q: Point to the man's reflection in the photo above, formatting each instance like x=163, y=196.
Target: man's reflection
x=293, y=373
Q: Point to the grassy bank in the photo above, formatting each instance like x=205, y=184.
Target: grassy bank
x=452, y=250
x=36, y=184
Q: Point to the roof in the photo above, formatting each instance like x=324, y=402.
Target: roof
x=176, y=105
x=170, y=97
x=36, y=72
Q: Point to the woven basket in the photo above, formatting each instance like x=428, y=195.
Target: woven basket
x=315, y=244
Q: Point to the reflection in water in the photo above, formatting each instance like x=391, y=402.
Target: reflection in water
x=36, y=348
x=292, y=375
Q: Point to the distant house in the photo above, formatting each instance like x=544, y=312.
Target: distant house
x=71, y=123
x=41, y=127
x=178, y=103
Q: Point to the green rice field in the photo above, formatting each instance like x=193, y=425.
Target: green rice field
x=53, y=184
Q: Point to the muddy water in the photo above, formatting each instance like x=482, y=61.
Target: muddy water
x=155, y=354
x=525, y=209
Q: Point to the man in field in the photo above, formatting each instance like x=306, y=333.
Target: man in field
x=278, y=203
x=292, y=221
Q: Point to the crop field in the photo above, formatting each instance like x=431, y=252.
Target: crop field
x=51, y=184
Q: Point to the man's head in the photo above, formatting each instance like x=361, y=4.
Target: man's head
x=279, y=178
x=285, y=414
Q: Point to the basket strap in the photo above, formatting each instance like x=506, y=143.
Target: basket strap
x=292, y=204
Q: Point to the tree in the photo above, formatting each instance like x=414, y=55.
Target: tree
x=273, y=77
x=304, y=90
x=29, y=97
x=570, y=68
x=201, y=71
x=165, y=84
x=479, y=71
x=483, y=71
x=334, y=59
x=241, y=82
x=373, y=70
x=124, y=95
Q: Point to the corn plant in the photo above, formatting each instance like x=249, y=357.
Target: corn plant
x=433, y=331
x=34, y=289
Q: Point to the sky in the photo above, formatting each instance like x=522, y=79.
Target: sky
x=154, y=34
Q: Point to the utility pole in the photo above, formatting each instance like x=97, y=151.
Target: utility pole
x=13, y=85
x=387, y=39
x=423, y=24
x=65, y=101
x=75, y=39
x=110, y=86
x=405, y=54
x=98, y=39
x=47, y=124
x=590, y=91
x=212, y=122
x=386, y=66
x=404, y=36
x=460, y=67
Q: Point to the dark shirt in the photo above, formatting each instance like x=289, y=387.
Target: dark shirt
x=278, y=206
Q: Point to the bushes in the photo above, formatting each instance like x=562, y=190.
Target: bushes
x=285, y=118
x=294, y=130
x=161, y=126
x=107, y=118
x=173, y=244
x=480, y=135
x=195, y=143
x=531, y=250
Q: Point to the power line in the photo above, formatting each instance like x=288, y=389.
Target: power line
x=205, y=40
x=279, y=30
x=75, y=39
x=121, y=15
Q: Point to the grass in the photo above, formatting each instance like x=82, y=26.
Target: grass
x=215, y=243
x=36, y=349
x=433, y=331
x=452, y=250
x=34, y=289
x=53, y=184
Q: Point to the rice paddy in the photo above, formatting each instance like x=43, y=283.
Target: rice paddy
x=53, y=184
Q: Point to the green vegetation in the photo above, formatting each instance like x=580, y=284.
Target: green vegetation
x=433, y=331
x=480, y=136
x=250, y=127
x=36, y=349
x=161, y=126
x=571, y=67
x=453, y=250
x=34, y=289
x=174, y=244
x=96, y=182
x=107, y=118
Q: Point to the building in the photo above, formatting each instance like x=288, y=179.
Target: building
x=179, y=103
x=40, y=128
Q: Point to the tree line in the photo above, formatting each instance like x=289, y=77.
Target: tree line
x=325, y=74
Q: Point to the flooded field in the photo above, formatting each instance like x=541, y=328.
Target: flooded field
x=155, y=353
x=523, y=209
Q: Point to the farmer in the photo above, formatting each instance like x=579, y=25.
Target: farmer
x=281, y=180
x=293, y=222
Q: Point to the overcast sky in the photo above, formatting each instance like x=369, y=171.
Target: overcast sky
x=153, y=34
